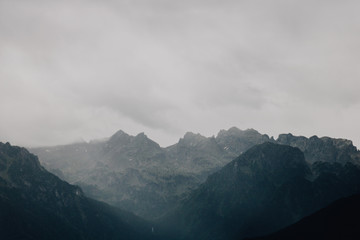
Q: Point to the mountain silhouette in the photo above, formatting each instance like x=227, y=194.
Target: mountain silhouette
x=35, y=204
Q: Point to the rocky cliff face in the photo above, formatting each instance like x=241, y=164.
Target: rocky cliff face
x=323, y=149
x=35, y=204
x=236, y=141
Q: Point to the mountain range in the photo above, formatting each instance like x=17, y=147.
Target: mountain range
x=194, y=189
x=263, y=190
x=135, y=173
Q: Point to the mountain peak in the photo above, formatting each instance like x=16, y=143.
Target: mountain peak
x=192, y=138
x=21, y=169
x=120, y=137
x=234, y=131
x=141, y=135
x=120, y=133
x=16, y=156
x=324, y=149
x=236, y=141
x=142, y=138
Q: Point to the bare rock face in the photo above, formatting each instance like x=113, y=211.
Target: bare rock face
x=323, y=149
x=236, y=141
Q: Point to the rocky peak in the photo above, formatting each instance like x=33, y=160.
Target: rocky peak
x=341, y=143
x=142, y=140
x=21, y=169
x=295, y=141
x=230, y=131
x=12, y=158
x=236, y=141
x=324, y=149
x=141, y=135
x=192, y=139
x=234, y=131
x=119, y=135
x=285, y=137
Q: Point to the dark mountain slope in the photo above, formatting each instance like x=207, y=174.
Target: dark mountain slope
x=266, y=188
x=340, y=220
x=35, y=204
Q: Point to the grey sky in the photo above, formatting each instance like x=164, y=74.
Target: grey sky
x=85, y=69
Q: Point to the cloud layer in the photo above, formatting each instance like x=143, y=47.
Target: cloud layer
x=84, y=69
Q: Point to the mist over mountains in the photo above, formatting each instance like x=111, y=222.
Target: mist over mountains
x=135, y=173
x=238, y=184
x=82, y=69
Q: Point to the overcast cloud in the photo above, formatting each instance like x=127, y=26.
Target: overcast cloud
x=83, y=69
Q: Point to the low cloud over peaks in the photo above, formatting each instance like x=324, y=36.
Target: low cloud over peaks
x=84, y=69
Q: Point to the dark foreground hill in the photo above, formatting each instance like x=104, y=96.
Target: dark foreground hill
x=35, y=204
x=268, y=187
x=340, y=221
